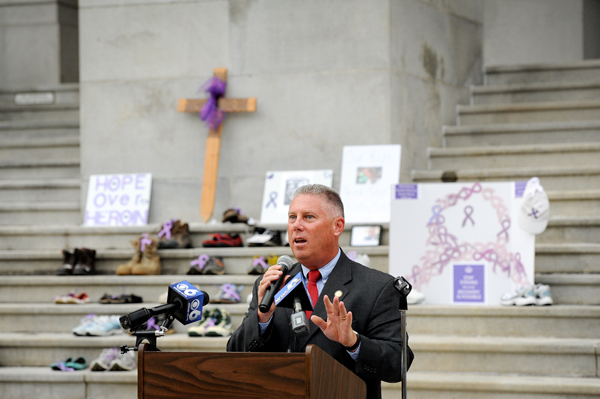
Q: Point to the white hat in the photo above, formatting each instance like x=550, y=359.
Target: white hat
x=535, y=208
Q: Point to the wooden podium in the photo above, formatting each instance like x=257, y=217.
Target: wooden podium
x=239, y=375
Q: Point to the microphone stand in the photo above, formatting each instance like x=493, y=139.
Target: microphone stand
x=150, y=336
x=404, y=288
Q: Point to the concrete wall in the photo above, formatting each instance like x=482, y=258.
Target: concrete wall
x=533, y=31
x=591, y=29
x=326, y=74
x=38, y=43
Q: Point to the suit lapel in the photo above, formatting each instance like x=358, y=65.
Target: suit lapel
x=339, y=277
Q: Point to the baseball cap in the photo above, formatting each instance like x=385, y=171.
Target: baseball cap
x=535, y=208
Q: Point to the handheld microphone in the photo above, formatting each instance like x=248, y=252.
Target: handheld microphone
x=286, y=264
x=184, y=300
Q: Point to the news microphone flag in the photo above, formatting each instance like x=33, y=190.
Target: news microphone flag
x=294, y=288
x=191, y=300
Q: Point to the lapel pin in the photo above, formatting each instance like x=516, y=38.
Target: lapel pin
x=338, y=293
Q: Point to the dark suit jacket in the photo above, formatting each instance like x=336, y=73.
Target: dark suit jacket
x=374, y=303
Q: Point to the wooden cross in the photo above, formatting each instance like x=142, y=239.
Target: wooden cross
x=213, y=141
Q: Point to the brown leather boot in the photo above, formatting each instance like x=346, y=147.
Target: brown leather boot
x=174, y=234
x=150, y=262
x=125, y=268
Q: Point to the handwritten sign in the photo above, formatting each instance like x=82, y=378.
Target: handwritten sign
x=118, y=200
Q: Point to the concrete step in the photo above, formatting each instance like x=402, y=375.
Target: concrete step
x=57, y=190
x=44, y=383
x=581, y=71
x=576, y=258
x=40, y=169
x=54, y=112
x=572, y=289
x=558, y=321
x=565, y=357
x=438, y=385
x=535, y=92
x=51, y=148
x=30, y=130
x=531, y=155
x=571, y=229
x=41, y=349
x=575, y=202
x=523, y=133
x=527, y=112
x=554, y=178
x=50, y=213
x=43, y=289
x=61, y=94
x=433, y=353
x=52, y=318
x=70, y=236
x=173, y=261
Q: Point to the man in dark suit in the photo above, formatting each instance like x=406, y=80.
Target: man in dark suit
x=360, y=327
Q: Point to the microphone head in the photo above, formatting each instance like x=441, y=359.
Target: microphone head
x=190, y=299
x=285, y=262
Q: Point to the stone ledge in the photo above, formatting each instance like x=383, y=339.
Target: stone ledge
x=513, y=149
x=526, y=107
x=519, y=127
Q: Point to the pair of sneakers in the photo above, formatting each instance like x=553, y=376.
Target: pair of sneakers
x=98, y=326
x=214, y=323
x=538, y=295
x=111, y=359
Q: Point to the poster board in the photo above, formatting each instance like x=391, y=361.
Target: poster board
x=280, y=187
x=368, y=173
x=118, y=200
x=460, y=243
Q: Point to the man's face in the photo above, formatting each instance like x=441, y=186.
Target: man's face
x=312, y=232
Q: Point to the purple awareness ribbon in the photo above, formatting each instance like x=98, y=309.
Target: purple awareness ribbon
x=259, y=261
x=229, y=289
x=166, y=230
x=145, y=240
x=152, y=324
x=201, y=261
x=210, y=112
x=63, y=367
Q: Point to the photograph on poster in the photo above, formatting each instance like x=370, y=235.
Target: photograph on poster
x=368, y=174
x=365, y=236
x=280, y=187
x=459, y=243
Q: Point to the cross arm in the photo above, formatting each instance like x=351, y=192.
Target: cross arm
x=225, y=104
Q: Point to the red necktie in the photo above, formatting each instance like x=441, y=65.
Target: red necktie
x=313, y=277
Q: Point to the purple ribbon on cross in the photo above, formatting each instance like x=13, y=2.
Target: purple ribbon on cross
x=201, y=261
x=166, y=229
x=210, y=112
x=145, y=240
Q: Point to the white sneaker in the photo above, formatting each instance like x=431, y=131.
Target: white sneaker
x=522, y=296
x=542, y=295
x=123, y=362
x=105, y=359
x=415, y=297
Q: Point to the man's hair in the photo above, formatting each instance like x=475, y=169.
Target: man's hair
x=332, y=198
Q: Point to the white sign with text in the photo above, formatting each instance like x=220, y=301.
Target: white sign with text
x=118, y=200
